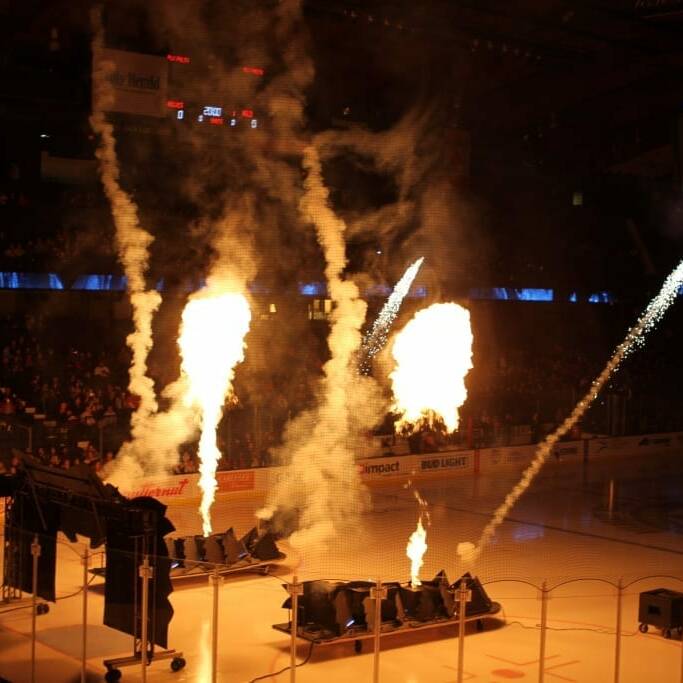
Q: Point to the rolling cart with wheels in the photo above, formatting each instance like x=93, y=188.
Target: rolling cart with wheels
x=144, y=612
x=114, y=674
x=357, y=636
x=663, y=609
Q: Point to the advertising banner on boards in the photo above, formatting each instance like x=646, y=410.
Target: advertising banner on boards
x=403, y=467
x=568, y=450
x=658, y=10
x=455, y=461
x=168, y=487
x=505, y=456
x=619, y=445
x=634, y=445
x=236, y=480
x=381, y=468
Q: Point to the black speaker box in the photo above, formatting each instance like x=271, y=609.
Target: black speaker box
x=213, y=549
x=479, y=602
x=234, y=549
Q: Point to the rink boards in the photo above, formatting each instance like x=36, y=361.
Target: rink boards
x=392, y=469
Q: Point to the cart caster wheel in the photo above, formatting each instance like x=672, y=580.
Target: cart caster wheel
x=265, y=571
x=112, y=676
x=177, y=663
x=357, y=646
x=667, y=633
x=643, y=628
x=42, y=608
x=480, y=625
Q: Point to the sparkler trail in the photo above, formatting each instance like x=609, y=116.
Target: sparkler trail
x=376, y=338
x=322, y=479
x=634, y=338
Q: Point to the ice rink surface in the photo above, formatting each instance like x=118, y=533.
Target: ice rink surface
x=580, y=528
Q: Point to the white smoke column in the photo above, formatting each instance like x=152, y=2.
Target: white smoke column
x=211, y=343
x=155, y=447
x=132, y=241
x=322, y=479
x=635, y=337
x=376, y=338
x=433, y=354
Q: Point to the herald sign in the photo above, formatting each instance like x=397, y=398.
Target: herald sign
x=137, y=82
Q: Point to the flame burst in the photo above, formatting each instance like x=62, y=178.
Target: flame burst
x=211, y=344
x=433, y=354
x=376, y=338
x=415, y=550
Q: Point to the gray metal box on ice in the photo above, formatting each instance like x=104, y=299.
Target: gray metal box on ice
x=662, y=608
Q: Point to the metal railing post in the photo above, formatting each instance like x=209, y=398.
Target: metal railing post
x=463, y=596
x=295, y=589
x=610, y=499
x=544, y=626
x=145, y=575
x=84, y=644
x=377, y=593
x=35, y=553
x=215, y=580
x=617, y=642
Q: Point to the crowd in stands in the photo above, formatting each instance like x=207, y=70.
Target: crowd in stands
x=58, y=390
x=47, y=228
x=64, y=396
x=70, y=391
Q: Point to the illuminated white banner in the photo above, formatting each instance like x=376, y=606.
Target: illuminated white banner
x=139, y=82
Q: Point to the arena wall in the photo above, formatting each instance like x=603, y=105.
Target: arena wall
x=399, y=468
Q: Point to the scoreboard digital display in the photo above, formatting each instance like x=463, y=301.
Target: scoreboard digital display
x=212, y=115
x=233, y=115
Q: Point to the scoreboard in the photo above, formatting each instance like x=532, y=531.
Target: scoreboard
x=232, y=115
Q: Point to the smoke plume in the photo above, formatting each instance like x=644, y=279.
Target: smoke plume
x=322, y=480
x=223, y=231
x=247, y=192
x=132, y=240
x=156, y=438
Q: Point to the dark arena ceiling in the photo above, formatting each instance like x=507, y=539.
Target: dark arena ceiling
x=542, y=106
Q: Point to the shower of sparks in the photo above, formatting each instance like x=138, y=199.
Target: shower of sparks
x=423, y=504
x=376, y=337
x=634, y=338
